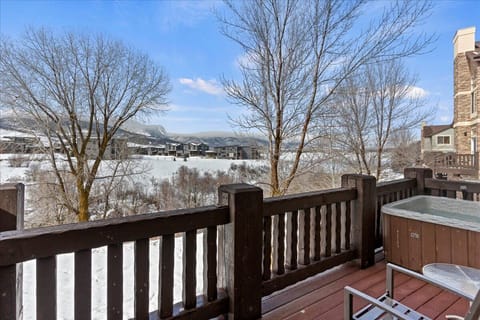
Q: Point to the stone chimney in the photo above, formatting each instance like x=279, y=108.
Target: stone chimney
x=463, y=41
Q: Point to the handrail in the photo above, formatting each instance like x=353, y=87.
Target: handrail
x=457, y=161
x=19, y=246
x=284, y=240
x=274, y=205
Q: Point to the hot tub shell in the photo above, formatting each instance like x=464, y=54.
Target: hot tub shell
x=413, y=235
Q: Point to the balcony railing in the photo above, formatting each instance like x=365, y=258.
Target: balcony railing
x=252, y=247
x=457, y=164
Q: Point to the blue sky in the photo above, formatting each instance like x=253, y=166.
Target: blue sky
x=184, y=37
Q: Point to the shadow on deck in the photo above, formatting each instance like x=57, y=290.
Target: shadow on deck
x=321, y=297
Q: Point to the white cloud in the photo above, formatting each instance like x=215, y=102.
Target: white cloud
x=417, y=92
x=196, y=108
x=445, y=118
x=246, y=60
x=172, y=14
x=208, y=86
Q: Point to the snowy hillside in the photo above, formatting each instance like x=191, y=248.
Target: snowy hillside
x=137, y=132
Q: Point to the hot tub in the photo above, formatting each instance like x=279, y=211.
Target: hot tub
x=425, y=229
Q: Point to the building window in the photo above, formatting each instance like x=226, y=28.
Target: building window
x=474, y=102
x=443, y=140
x=473, y=95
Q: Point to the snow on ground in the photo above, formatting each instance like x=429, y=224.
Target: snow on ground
x=12, y=133
x=164, y=166
x=160, y=166
x=65, y=285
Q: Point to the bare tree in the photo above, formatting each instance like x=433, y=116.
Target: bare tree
x=297, y=55
x=376, y=102
x=79, y=90
x=406, y=150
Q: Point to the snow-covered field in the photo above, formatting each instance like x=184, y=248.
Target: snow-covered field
x=160, y=167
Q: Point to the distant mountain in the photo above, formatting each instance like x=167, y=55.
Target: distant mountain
x=154, y=131
x=219, y=138
x=140, y=133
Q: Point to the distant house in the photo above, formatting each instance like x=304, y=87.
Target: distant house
x=19, y=144
x=146, y=149
x=116, y=149
x=174, y=149
x=195, y=149
x=237, y=152
x=454, y=149
x=438, y=138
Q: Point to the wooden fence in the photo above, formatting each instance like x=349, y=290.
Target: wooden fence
x=252, y=247
x=467, y=190
x=455, y=163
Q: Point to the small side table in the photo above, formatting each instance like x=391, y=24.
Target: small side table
x=461, y=278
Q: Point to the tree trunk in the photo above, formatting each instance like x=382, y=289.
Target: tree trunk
x=83, y=206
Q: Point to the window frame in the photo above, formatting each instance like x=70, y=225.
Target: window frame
x=444, y=137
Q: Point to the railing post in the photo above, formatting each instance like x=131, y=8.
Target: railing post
x=420, y=174
x=363, y=217
x=11, y=218
x=240, y=254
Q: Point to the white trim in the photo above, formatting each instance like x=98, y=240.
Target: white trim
x=466, y=123
x=462, y=93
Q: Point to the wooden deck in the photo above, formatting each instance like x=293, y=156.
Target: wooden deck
x=321, y=297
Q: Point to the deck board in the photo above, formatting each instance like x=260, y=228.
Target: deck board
x=321, y=297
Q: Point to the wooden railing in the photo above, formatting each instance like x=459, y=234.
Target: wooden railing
x=44, y=244
x=466, y=190
x=292, y=223
x=252, y=247
x=457, y=163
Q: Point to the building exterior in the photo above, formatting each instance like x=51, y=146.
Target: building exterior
x=454, y=149
x=174, y=149
x=117, y=149
x=237, y=152
x=195, y=149
x=439, y=138
x=466, y=91
x=19, y=144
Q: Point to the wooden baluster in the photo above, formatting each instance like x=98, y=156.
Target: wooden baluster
x=115, y=281
x=166, y=252
x=189, y=269
x=281, y=244
x=275, y=244
x=328, y=231
x=46, y=288
x=83, y=284
x=467, y=195
x=378, y=214
x=210, y=263
x=8, y=289
x=318, y=235
x=348, y=224
x=141, y=269
x=292, y=240
x=304, y=236
x=338, y=227
x=451, y=194
x=267, y=247
x=12, y=197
